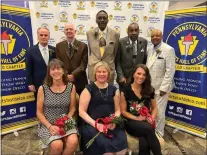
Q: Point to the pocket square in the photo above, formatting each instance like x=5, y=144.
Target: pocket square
x=142, y=50
x=111, y=42
x=160, y=58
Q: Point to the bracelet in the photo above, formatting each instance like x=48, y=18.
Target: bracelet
x=50, y=127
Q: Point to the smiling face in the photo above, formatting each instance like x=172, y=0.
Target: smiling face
x=102, y=20
x=102, y=74
x=69, y=31
x=139, y=76
x=56, y=72
x=156, y=37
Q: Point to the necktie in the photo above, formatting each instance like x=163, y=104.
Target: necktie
x=45, y=55
x=134, y=53
x=102, y=44
x=70, y=49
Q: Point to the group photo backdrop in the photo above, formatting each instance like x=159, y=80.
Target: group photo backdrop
x=55, y=14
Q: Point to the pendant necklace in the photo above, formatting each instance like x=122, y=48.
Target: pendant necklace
x=104, y=96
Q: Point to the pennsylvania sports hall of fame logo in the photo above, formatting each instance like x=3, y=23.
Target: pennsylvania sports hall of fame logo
x=14, y=39
x=189, y=40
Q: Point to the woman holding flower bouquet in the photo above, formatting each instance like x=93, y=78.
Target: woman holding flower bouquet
x=100, y=100
x=138, y=105
x=56, y=97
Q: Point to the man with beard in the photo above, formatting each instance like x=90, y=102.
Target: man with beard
x=132, y=50
x=103, y=44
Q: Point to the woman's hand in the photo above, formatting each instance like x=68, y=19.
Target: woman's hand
x=100, y=128
x=111, y=126
x=141, y=118
x=53, y=130
x=150, y=120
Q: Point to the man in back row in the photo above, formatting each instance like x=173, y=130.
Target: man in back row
x=103, y=44
x=161, y=64
x=132, y=50
x=74, y=55
x=37, y=59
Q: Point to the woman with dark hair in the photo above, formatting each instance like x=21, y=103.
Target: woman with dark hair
x=55, y=98
x=135, y=95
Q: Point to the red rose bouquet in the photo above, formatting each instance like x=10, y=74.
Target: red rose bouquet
x=65, y=123
x=140, y=109
x=112, y=119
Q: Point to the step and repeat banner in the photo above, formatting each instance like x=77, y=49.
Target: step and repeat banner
x=54, y=14
x=186, y=31
x=18, y=109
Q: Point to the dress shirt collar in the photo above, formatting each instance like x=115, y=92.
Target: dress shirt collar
x=72, y=42
x=157, y=47
x=42, y=47
x=104, y=31
x=130, y=41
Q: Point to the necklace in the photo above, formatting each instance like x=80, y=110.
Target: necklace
x=104, y=96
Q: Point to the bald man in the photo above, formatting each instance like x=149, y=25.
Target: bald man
x=132, y=50
x=74, y=55
x=161, y=64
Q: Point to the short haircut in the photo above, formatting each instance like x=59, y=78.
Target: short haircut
x=99, y=64
x=43, y=27
x=102, y=11
x=133, y=24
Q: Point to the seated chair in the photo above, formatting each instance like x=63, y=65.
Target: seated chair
x=45, y=151
x=133, y=143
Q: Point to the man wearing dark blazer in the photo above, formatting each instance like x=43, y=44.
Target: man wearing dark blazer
x=37, y=59
x=132, y=50
x=74, y=55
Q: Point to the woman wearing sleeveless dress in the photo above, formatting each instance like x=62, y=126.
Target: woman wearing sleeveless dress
x=137, y=92
x=55, y=98
x=99, y=100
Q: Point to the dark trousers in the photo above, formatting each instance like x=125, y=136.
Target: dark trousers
x=146, y=134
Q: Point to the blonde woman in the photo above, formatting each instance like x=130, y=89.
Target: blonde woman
x=98, y=100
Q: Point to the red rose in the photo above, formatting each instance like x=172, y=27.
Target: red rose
x=61, y=131
x=65, y=118
x=134, y=105
x=60, y=122
x=143, y=111
x=107, y=120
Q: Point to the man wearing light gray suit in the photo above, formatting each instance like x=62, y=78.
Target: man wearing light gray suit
x=132, y=50
x=98, y=51
x=161, y=64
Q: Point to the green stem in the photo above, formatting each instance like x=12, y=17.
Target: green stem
x=92, y=140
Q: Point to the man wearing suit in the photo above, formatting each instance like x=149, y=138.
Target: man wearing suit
x=99, y=52
x=132, y=50
x=74, y=55
x=37, y=59
x=161, y=64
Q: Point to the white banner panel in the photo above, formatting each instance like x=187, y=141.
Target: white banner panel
x=54, y=14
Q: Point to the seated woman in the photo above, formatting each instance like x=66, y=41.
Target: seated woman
x=99, y=100
x=138, y=93
x=56, y=97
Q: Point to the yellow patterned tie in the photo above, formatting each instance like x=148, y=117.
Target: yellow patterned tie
x=102, y=48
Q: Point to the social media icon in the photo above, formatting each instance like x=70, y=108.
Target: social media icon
x=171, y=107
x=22, y=109
x=13, y=111
x=3, y=113
x=179, y=109
x=189, y=112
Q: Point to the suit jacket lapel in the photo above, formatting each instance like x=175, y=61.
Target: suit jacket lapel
x=39, y=55
x=151, y=59
x=96, y=42
x=66, y=48
x=51, y=51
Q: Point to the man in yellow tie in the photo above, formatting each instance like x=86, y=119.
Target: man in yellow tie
x=103, y=43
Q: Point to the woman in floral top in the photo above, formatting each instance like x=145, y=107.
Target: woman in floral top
x=137, y=98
